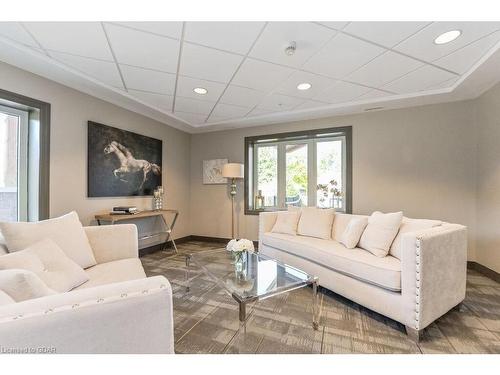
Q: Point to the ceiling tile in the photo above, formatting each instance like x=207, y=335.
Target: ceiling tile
x=242, y=96
x=443, y=85
x=104, y=71
x=422, y=46
x=170, y=29
x=226, y=111
x=207, y=63
x=311, y=104
x=79, y=38
x=278, y=102
x=319, y=84
x=308, y=36
x=185, y=86
x=385, y=33
x=163, y=102
x=462, y=60
x=148, y=80
x=15, y=32
x=260, y=112
x=192, y=118
x=419, y=80
x=199, y=107
x=342, y=55
x=143, y=49
x=334, y=25
x=341, y=92
x=230, y=36
x=384, y=69
x=260, y=75
x=374, y=94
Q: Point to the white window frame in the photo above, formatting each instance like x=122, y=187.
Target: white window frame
x=311, y=143
x=22, y=160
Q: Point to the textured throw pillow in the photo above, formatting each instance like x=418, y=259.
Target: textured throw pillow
x=353, y=232
x=407, y=226
x=66, y=231
x=49, y=263
x=380, y=232
x=5, y=299
x=21, y=285
x=286, y=222
x=316, y=222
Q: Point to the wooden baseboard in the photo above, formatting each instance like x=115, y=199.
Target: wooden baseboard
x=484, y=270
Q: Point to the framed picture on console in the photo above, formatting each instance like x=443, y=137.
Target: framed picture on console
x=122, y=163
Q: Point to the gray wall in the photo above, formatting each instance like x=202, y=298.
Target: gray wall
x=68, y=154
x=419, y=160
x=488, y=179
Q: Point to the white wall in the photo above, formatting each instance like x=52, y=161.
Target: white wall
x=70, y=111
x=420, y=160
x=488, y=179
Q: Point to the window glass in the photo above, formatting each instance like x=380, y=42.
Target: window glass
x=267, y=176
x=329, y=174
x=9, y=126
x=296, y=175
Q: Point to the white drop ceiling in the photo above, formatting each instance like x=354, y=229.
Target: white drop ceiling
x=153, y=67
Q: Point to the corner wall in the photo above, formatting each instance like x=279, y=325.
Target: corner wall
x=70, y=111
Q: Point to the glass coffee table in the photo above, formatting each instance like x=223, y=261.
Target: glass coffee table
x=256, y=278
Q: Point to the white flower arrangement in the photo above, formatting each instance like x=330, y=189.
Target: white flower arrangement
x=239, y=246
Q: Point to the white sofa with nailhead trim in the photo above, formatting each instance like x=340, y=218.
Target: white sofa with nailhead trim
x=428, y=280
x=118, y=310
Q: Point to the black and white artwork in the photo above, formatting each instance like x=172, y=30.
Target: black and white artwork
x=122, y=163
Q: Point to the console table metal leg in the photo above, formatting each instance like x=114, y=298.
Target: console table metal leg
x=315, y=303
x=169, y=232
x=188, y=261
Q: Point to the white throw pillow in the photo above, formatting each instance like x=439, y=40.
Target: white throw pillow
x=407, y=226
x=5, y=299
x=286, y=222
x=316, y=222
x=353, y=232
x=380, y=232
x=49, y=263
x=66, y=231
x=21, y=285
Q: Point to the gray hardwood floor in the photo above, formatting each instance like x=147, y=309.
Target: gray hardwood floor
x=206, y=319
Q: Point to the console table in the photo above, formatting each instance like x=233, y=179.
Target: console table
x=112, y=219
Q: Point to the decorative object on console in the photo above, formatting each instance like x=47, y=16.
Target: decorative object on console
x=158, y=198
x=259, y=201
x=233, y=171
x=212, y=171
x=124, y=210
x=122, y=163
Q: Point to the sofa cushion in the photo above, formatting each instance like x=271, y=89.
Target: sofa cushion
x=358, y=263
x=22, y=285
x=286, y=222
x=114, y=272
x=380, y=232
x=316, y=222
x=353, y=232
x=66, y=231
x=5, y=299
x=49, y=263
x=340, y=224
x=407, y=226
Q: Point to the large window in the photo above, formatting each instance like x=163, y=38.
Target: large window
x=24, y=158
x=310, y=168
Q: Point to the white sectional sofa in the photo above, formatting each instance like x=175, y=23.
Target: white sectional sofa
x=426, y=282
x=118, y=310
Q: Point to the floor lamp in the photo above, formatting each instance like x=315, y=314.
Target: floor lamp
x=232, y=171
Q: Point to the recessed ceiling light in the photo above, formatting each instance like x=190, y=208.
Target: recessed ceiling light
x=447, y=37
x=304, y=86
x=200, y=90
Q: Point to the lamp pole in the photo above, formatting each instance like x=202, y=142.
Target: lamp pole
x=233, y=194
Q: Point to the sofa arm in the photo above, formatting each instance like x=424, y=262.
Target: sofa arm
x=128, y=317
x=113, y=242
x=266, y=223
x=433, y=272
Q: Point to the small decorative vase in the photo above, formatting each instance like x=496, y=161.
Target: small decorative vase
x=240, y=262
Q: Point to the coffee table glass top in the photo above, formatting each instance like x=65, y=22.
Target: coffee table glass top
x=256, y=278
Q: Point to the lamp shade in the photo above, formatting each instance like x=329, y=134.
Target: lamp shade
x=232, y=170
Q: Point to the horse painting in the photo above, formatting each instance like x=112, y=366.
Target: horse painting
x=122, y=163
x=129, y=164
